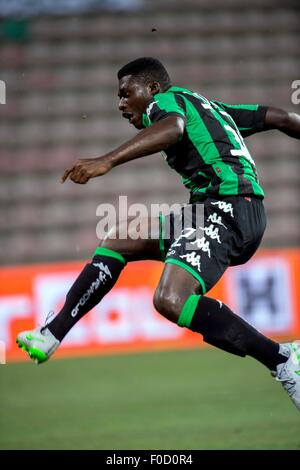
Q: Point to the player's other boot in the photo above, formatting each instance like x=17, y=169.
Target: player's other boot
x=40, y=343
x=288, y=373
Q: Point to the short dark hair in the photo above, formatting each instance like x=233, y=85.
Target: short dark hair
x=148, y=69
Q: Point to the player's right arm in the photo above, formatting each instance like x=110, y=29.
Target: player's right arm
x=283, y=121
x=164, y=123
x=159, y=136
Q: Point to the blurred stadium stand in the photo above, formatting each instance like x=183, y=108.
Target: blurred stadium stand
x=60, y=74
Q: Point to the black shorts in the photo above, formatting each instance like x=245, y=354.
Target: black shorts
x=228, y=234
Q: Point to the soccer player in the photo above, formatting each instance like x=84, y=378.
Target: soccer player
x=203, y=141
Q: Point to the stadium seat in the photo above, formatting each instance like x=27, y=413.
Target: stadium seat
x=63, y=105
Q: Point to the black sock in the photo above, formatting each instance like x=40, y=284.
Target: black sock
x=94, y=281
x=226, y=330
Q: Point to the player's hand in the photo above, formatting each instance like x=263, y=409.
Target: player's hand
x=85, y=169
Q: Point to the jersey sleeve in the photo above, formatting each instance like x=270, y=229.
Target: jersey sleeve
x=162, y=106
x=249, y=118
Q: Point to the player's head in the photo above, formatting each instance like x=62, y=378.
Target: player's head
x=139, y=81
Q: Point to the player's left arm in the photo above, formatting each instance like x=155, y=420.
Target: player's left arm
x=283, y=121
x=249, y=118
x=159, y=136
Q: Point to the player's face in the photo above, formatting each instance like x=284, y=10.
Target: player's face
x=134, y=99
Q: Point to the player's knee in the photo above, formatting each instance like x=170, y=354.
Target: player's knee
x=167, y=304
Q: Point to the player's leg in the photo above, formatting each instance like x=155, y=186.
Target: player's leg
x=179, y=298
x=94, y=282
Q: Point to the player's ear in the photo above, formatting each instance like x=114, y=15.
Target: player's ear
x=154, y=88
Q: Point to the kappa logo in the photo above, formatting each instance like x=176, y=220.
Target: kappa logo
x=215, y=219
x=103, y=267
x=212, y=232
x=224, y=206
x=193, y=259
x=202, y=244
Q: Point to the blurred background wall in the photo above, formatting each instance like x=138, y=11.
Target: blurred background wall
x=59, y=65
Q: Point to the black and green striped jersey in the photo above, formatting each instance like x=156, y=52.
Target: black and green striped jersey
x=211, y=157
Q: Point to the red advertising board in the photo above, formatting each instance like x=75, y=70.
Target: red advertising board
x=263, y=291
